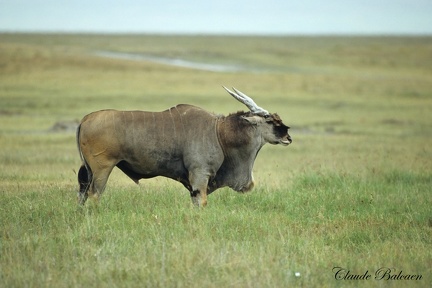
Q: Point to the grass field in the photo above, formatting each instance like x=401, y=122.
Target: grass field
x=352, y=191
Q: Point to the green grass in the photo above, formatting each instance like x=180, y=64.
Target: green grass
x=353, y=190
x=148, y=237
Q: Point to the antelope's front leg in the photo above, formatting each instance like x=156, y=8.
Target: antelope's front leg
x=199, y=189
x=199, y=199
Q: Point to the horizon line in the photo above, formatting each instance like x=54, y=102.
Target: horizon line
x=250, y=34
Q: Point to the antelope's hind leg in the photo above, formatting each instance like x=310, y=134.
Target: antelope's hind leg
x=84, y=180
x=98, y=183
x=98, y=170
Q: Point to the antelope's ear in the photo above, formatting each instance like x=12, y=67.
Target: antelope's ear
x=254, y=120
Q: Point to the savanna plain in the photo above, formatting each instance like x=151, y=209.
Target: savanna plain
x=352, y=191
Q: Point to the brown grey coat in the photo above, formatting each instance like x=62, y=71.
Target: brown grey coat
x=201, y=150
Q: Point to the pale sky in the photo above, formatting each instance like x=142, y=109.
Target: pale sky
x=219, y=16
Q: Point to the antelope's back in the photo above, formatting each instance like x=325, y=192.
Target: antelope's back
x=184, y=132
